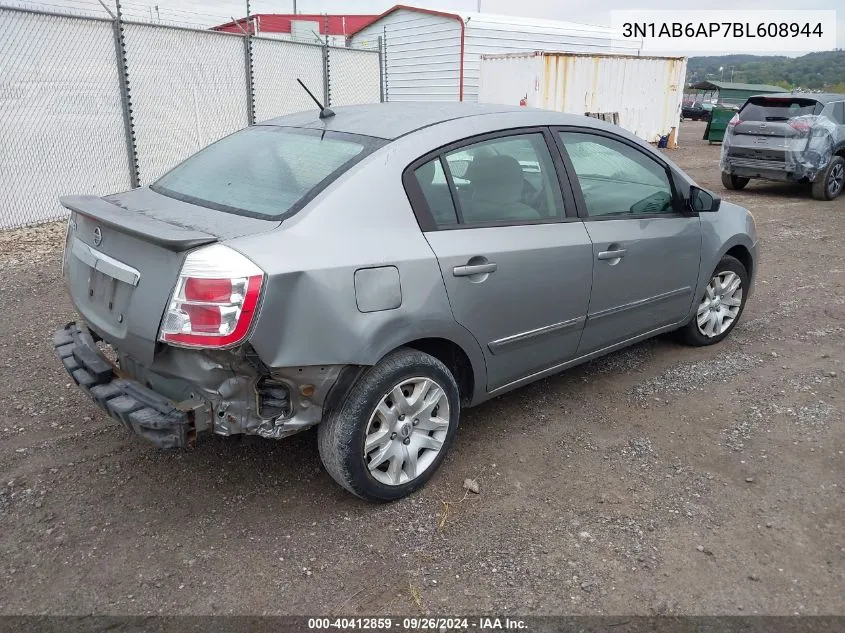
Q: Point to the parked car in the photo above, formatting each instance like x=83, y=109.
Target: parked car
x=788, y=137
x=696, y=110
x=337, y=271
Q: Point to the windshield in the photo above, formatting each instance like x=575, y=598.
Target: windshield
x=265, y=171
x=778, y=109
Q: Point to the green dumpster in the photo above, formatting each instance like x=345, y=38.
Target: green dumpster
x=719, y=117
x=730, y=99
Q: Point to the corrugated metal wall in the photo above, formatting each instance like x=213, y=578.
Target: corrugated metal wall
x=423, y=53
x=645, y=91
x=494, y=34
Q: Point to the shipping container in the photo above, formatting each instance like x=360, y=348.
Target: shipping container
x=436, y=55
x=645, y=91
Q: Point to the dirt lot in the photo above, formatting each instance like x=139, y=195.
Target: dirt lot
x=661, y=479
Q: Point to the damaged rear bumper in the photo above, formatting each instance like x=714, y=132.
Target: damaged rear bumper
x=143, y=411
x=186, y=392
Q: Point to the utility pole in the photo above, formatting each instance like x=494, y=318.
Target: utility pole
x=479, y=6
x=294, y=7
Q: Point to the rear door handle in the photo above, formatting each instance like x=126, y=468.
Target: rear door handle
x=474, y=269
x=612, y=254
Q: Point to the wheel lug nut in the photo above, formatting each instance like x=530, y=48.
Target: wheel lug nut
x=402, y=416
x=393, y=436
x=415, y=422
x=407, y=440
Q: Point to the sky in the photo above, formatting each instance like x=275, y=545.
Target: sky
x=209, y=12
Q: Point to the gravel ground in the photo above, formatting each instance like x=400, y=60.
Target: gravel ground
x=659, y=480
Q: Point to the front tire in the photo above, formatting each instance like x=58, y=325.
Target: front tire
x=734, y=183
x=831, y=182
x=394, y=428
x=720, y=306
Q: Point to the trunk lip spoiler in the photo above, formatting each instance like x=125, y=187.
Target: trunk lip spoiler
x=136, y=224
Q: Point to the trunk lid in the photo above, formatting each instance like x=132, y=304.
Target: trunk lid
x=123, y=255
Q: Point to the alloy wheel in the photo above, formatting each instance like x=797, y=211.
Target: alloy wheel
x=720, y=305
x=406, y=431
x=836, y=179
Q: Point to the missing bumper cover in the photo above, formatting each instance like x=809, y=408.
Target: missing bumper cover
x=141, y=410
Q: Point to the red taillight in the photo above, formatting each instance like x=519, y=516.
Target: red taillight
x=735, y=120
x=197, y=289
x=203, y=318
x=215, y=299
x=800, y=126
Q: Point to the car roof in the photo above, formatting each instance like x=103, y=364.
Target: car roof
x=392, y=120
x=821, y=97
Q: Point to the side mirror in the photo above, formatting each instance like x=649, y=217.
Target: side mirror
x=702, y=201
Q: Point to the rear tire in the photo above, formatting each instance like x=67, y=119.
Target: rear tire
x=394, y=428
x=832, y=180
x=734, y=183
x=717, y=311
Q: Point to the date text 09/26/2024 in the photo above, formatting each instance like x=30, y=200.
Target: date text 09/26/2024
x=419, y=624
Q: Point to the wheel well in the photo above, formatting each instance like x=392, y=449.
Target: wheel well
x=742, y=254
x=455, y=358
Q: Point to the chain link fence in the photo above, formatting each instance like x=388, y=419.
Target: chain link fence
x=188, y=90
x=61, y=124
x=276, y=66
x=92, y=106
x=354, y=76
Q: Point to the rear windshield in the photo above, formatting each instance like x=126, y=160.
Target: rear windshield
x=778, y=109
x=265, y=171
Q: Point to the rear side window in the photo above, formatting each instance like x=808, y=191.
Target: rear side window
x=264, y=171
x=435, y=190
x=501, y=181
x=778, y=109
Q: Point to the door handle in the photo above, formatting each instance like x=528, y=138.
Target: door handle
x=612, y=254
x=474, y=269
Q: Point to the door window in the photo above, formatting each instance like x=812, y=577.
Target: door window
x=617, y=179
x=435, y=190
x=504, y=180
x=839, y=113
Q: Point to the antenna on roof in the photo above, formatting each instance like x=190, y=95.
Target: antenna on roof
x=325, y=113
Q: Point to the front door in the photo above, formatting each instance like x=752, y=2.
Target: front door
x=517, y=270
x=646, y=251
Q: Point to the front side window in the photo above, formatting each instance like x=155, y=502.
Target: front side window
x=615, y=178
x=264, y=171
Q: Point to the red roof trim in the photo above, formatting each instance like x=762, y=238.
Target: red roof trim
x=338, y=24
x=444, y=14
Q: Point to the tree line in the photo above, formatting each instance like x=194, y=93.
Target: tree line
x=814, y=71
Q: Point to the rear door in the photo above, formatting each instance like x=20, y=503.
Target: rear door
x=646, y=253
x=515, y=259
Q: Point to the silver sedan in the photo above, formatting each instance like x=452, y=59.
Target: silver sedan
x=377, y=269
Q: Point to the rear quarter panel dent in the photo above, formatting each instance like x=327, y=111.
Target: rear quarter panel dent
x=310, y=315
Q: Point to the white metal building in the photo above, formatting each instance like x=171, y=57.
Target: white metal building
x=436, y=55
x=646, y=91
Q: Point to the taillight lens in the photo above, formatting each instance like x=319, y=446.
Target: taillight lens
x=735, y=120
x=215, y=299
x=800, y=125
